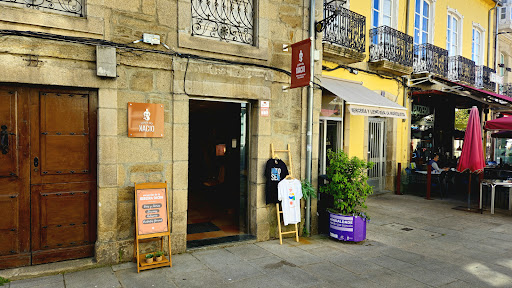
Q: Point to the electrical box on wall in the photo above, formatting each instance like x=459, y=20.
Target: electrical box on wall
x=152, y=39
x=106, y=61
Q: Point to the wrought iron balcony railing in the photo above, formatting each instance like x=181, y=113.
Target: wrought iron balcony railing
x=347, y=29
x=461, y=69
x=483, y=77
x=506, y=89
x=392, y=45
x=226, y=20
x=69, y=7
x=429, y=58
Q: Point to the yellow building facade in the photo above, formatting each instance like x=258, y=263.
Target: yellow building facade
x=386, y=46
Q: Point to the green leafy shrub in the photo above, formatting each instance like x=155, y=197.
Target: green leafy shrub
x=347, y=184
x=149, y=256
x=159, y=253
x=308, y=190
x=3, y=281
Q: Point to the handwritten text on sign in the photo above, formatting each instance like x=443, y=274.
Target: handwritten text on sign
x=151, y=211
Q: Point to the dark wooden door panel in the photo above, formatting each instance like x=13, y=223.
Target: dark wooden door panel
x=63, y=138
x=14, y=178
x=8, y=124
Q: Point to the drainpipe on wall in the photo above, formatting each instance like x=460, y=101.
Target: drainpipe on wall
x=309, y=127
x=406, y=92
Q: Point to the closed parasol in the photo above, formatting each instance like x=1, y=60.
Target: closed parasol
x=472, y=156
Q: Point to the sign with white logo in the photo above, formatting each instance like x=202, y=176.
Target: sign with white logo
x=145, y=120
x=301, y=71
x=264, y=108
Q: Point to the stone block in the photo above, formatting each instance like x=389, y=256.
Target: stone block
x=179, y=200
x=138, y=178
x=125, y=250
x=107, y=175
x=125, y=220
x=125, y=96
x=149, y=7
x=180, y=142
x=122, y=123
x=107, y=213
x=121, y=175
x=107, y=150
x=163, y=81
x=263, y=231
x=164, y=144
x=142, y=81
x=168, y=174
x=181, y=112
x=179, y=222
x=107, y=122
x=155, y=177
x=106, y=252
x=178, y=243
x=180, y=175
x=137, y=150
x=146, y=168
x=126, y=193
x=107, y=98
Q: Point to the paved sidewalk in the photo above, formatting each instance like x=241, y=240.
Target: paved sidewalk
x=442, y=247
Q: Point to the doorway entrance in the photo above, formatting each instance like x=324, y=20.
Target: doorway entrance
x=376, y=153
x=218, y=170
x=47, y=175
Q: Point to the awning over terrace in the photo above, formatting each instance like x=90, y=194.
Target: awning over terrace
x=363, y=101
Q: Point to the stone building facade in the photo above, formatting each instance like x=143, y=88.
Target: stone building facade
x=59, y=52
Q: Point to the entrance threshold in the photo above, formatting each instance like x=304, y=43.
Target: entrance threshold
x=221, y=240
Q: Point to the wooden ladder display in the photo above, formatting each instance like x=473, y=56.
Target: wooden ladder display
x=279, y=212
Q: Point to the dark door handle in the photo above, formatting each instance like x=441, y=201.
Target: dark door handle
x=4, y=140
x=36, y=162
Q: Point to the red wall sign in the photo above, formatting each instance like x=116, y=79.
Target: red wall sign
x=301, y=71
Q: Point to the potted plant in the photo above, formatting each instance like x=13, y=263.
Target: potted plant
x=149, y=258
x=348, y=186
x=159, y=256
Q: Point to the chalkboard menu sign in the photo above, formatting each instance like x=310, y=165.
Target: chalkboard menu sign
x=151, y=211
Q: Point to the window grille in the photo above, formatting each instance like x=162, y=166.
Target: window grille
x=226, y=20
x=69, y=7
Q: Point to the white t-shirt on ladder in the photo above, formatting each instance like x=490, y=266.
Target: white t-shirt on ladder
x=289, y=193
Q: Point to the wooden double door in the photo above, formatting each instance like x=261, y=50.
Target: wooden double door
x=47, y=175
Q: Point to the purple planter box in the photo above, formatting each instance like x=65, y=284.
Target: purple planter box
x=347, y=228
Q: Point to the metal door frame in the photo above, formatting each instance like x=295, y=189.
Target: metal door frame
x=380, y=170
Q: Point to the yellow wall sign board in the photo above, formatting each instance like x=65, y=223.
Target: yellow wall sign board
x=151, y=222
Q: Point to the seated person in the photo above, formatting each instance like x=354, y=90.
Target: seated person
x=435, y=167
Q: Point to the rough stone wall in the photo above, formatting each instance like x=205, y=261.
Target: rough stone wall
x=172, y=81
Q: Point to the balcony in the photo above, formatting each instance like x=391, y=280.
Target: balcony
x=483, y=78
x=73, y=8
x=461, y=69
x=430, y=59
x=391, y=51
x=506, y=89
x=344, y=36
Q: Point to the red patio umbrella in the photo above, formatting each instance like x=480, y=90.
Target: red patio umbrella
x=504, y=123
x=472, y=156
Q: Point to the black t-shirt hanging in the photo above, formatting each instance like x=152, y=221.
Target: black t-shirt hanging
x=275, y=171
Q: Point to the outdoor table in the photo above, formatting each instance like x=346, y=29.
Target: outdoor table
x=493, y=183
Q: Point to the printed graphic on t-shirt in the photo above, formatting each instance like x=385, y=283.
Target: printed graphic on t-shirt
x=291, y=197
x=275, y=174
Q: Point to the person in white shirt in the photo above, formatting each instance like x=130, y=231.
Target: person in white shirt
x=435, y=167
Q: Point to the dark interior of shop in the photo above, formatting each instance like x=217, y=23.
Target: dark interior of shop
x=217, y=193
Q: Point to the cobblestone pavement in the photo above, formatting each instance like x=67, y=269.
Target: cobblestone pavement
x=443, y=247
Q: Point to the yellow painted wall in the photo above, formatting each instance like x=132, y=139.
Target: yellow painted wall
x=471, y=10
